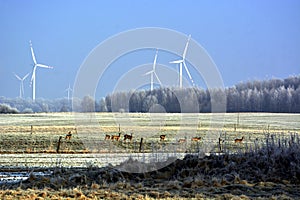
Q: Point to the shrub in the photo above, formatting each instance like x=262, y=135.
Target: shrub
x=5, y=108
x=27, y=110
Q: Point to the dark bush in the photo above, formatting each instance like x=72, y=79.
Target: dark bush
x=4, y=108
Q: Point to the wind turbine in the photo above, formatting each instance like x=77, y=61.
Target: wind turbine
x=32, y=82
x=152, y=72
x=21, y=84
x=68, y=90
x=182, y=62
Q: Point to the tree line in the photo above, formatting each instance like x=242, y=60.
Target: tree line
x=274, y=95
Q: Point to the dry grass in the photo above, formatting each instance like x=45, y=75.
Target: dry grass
x=269, y=171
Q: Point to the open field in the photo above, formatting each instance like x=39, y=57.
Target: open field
x=28, y=142
x=39, y=133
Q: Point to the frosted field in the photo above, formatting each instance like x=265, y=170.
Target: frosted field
x=28, y=156
x=32, y=139
x=80, y=160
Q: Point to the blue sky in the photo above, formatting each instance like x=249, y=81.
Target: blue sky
x=248, y=40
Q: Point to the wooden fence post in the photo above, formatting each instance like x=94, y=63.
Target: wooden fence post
x=141, y=144
x=220, y=145
x=58, y=144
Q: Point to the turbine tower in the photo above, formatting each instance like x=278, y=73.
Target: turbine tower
x=32, y=82
x=21, y=84
x=68, y=90
x=182, y=62
x=153, y=73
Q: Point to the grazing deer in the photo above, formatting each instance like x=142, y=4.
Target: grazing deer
x=221, y=141
x=162, y=137
x=129, y=137
x=239, y=140
x=116, y=137
x=181, y=140
x=68, y=136
x=196, y=139
x=107, y=137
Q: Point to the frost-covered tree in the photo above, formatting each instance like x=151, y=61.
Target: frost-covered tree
x=88, y=104
x=5, y=108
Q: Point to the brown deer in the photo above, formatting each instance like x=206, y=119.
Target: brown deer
x=116, y=137
x=196, y=139
x=181, y=140
x=239, y=140
x=68, y=136
x=162, y=137
x=107, y=137
x=221, y=141
x=129, y=137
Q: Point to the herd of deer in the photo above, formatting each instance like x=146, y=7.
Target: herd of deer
x=117, y=137
x=162, y=138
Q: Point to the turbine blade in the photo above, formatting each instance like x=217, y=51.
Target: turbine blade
x=22, y=86
x=157, y=78
x=25, y=76
x=44, y=66
x=188, y=72
x=147, y=73
x=18, y=77
x=33, y=75
x=154, y=62
x=176, y=61
x=186, y=46
x=32, y=53
x=69, y=88
x=31, y=80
